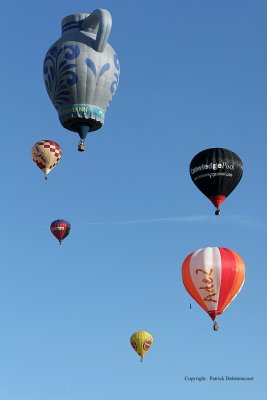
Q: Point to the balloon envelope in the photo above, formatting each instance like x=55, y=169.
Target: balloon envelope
x=216, y=172
x=141, y=342
x=60, y=229
x=213, y=276
x=81, y=71
x=46, y=154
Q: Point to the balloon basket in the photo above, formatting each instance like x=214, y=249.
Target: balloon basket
x=81, y=146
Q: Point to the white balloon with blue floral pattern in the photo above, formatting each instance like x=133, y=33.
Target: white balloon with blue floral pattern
x=81, y=72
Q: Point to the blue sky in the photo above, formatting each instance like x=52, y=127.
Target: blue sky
x=193, y=76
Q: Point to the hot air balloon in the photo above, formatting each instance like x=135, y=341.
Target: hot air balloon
x=216, y=172
x=81, y=72
x=213, y=276
x=46, y=154
x=141, y=342
x=60, y=229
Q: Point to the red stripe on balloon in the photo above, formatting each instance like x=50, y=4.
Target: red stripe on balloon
x=228, y=275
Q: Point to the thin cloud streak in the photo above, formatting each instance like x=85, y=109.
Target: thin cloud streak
x=148, y=221
x=237, y=219
x=240, y=220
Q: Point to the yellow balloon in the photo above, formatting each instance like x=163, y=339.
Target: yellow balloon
x=141, y=342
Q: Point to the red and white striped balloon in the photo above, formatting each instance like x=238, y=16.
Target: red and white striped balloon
x=213, y=276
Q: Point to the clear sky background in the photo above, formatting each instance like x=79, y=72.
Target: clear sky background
x=193, y=76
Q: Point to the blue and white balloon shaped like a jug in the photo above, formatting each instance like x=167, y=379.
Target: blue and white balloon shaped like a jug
x=81, y=72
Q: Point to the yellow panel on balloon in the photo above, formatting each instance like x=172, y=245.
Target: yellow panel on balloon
x=141, y=342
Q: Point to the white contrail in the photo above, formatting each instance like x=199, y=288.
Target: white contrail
x=197, y=218
x=192, y=219
x=238, y=219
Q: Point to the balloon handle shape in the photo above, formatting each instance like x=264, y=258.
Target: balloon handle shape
x=101, y=19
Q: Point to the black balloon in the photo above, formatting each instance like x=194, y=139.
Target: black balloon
x=216, y=172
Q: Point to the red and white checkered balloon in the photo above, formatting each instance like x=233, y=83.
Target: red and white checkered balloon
x=46, y=154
